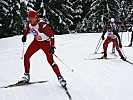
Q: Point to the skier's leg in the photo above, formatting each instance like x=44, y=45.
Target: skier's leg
x=56, y=69
x=49, y=56
x=105, y=46
x=113, y=48
x=33, y=47
x=115, y=41
x=118, y=49
x=30, y=51
x=45, y=46
x=113, y=45
x=53, y=64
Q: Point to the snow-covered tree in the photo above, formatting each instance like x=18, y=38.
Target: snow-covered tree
x=102, y=11
x=77, y=6
x=10, y=17
x=129, y=10
x=58, y=13
x=3, y=19
x=85, y=24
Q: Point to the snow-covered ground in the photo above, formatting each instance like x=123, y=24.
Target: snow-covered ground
x=91, y=79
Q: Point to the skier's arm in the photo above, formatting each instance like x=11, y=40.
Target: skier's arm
x=26, y=31
x=47, y=31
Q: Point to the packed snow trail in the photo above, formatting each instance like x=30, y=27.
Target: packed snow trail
x=91, y=79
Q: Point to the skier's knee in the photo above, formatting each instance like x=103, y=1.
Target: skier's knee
x=53, y=64
x=117, y=49
x=104, y=45
x=25, y=58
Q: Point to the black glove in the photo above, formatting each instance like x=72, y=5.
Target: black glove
x=24, y=38
x=51, y=51
x=120, y=45
x=102, y=37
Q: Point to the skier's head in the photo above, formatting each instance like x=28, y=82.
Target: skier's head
x=112, y=20
x=32, y=16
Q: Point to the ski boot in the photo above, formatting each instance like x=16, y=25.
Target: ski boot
x=62, y=81
x=123, y=58
x=104, y=56
x=25, y=78
x=113, y=50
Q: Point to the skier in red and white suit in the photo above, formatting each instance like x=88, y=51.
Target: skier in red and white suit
x=114, y=37
x=43, y=39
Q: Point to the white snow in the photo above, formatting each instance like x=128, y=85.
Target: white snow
x=91, y=79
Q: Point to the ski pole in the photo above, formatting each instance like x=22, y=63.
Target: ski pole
x=98, y=45
x=63, y=63
x=123, y=53
x=23, y=51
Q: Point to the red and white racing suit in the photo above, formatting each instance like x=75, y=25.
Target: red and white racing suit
x=44, y=39
x=111, y=38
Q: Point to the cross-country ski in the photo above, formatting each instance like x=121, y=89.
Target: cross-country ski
x=22, y=84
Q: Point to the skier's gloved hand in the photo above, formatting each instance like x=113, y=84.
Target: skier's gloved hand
x=120, y=45
x=102, y=37
x=24, y=38
x=51, y=51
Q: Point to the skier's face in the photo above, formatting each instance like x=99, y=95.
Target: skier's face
x=32, y=20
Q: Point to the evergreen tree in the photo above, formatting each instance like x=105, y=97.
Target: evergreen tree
x=10, y=18
x=58, y=16
x=102, y=11
x=85, y=23
x=77, y=14
x=129, y=10
x=3, y=19
x=15, y=18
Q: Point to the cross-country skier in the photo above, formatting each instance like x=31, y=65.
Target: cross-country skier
x=114, y=37
x=104, y=31
x=43, y=39
x=131, y=37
